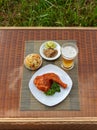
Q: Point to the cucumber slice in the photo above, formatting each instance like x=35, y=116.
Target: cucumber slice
x=50, y=44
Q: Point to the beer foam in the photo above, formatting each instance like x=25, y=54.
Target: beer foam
x=69, y=52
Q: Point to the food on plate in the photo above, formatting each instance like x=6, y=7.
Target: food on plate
x=50, y=52
x=44, y=82
x=55, y=87
x=50, y=44
x=33, y=61
x=50, y=49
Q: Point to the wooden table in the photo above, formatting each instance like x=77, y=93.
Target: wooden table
x=12, y=42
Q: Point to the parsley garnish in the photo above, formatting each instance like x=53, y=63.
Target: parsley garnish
x=54, y=88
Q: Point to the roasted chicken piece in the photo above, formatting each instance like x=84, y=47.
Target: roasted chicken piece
x=43, y=82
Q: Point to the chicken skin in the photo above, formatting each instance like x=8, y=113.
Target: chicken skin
x=44, y=82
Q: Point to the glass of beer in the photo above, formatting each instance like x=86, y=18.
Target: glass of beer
x=69, y=52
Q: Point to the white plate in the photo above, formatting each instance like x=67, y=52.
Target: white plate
x=57, y=97
x=58, y=48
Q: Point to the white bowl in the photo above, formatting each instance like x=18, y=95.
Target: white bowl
x=26, y=62
x=58, y=48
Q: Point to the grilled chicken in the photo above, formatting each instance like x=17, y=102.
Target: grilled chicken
x=43, y=82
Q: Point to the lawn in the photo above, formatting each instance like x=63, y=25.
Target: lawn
x=55, y=13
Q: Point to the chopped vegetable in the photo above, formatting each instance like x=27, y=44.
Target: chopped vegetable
x=54, y=88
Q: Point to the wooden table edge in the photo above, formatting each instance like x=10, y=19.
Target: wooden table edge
x=70, y=120
x=62, y=28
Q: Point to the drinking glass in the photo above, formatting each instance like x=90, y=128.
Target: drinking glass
x=69, y=53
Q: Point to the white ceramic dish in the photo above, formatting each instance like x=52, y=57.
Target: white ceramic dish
x=58, y=48
x=37, y=59
x=57, y=97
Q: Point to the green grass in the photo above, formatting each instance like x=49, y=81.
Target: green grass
x=48, y=13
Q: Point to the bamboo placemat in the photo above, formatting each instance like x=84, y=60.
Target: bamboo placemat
x=28, y=102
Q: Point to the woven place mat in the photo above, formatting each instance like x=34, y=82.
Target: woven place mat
x=28, y=102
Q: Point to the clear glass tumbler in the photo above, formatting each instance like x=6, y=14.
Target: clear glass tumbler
x=69, y=53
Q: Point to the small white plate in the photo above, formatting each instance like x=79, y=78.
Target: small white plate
x=58, y=48
x=57, y=97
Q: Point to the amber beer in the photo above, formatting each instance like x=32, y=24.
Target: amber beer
x=69, y=52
